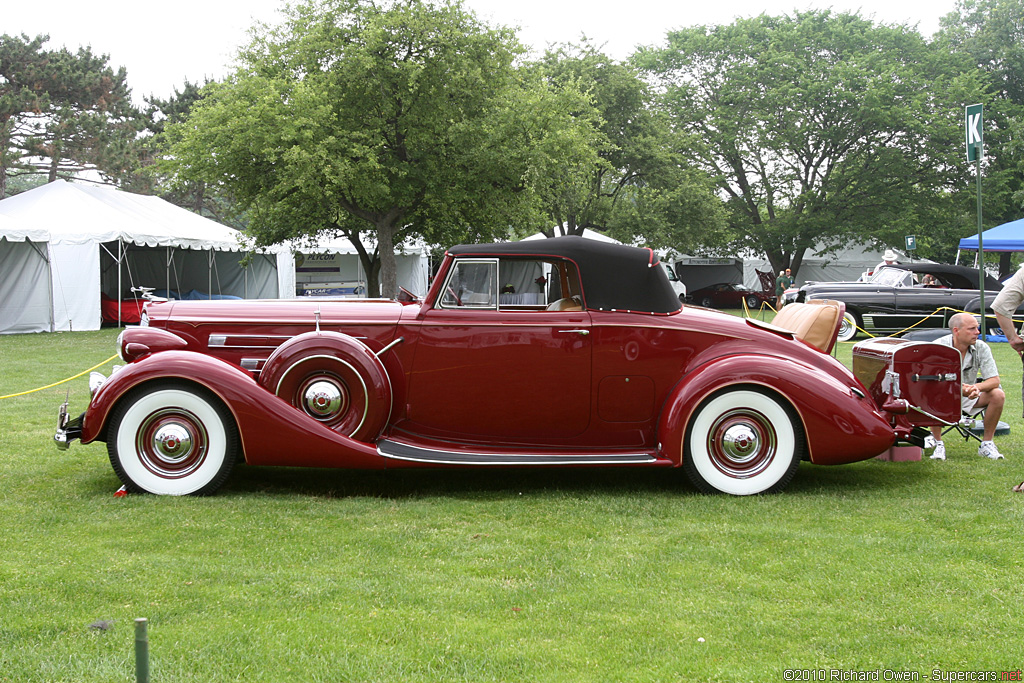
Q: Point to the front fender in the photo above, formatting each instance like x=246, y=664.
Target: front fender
x=272, y=431
x=840, y=427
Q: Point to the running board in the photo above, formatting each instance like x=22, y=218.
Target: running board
x=403, y=451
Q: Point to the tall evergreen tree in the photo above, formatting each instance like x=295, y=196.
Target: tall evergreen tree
x=24, y=81
x=62, y=112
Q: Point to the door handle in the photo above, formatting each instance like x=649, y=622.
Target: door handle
x=582, y=333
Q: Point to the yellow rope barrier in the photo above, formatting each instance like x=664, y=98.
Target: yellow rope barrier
x=861, y=329
x=50, y=386
x=919, y=322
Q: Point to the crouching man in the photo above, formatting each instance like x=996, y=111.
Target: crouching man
x=975, y=360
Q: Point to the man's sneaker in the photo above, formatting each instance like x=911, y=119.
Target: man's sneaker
x=988, y=449
x=940, y=451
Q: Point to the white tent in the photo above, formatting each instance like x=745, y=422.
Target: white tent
x=332, y=267
x=698, y=272
x=65, y=245
x=587, y=233
x=845, y=265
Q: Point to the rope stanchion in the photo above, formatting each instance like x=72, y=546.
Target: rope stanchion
x=63, y=381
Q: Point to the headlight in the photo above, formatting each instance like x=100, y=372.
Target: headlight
x=96, y=380
x=120, y=346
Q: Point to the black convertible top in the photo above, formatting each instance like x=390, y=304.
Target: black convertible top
x=614, y=276
x=958, y=277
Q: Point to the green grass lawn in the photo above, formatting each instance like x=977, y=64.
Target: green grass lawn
x=603, y=575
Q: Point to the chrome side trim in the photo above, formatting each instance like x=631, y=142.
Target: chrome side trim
x=401, y=451
x=220, y=341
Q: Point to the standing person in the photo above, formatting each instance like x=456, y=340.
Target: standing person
x=780, y=288
x=888, y=259
x=1004, y=306
x=975, y=359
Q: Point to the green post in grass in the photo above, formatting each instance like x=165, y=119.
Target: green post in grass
x=141, y=651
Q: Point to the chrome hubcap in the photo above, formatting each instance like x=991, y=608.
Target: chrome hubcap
x=740, y=442
x=323, y=400
x=172, y=442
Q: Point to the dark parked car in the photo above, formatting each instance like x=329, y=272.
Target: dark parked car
x=895, y=297
x=549, y=353
x=728, y=295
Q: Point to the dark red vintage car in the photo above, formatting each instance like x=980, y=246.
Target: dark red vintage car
x=729, y=295
x=548, y=353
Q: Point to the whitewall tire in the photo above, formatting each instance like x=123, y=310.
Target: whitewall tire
x=848, y=328
x=172, y=439
x=742, y=442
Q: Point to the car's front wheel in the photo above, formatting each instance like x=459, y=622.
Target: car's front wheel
x=848, y=328
x=742, y=442
x=706, y=302
x=752, y=302
x=172, y=439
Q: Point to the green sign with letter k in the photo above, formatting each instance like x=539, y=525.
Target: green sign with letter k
x=975, y=132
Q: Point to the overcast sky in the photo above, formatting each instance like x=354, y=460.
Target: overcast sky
x=193, y=39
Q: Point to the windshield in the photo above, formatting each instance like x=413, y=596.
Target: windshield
x=892, y=277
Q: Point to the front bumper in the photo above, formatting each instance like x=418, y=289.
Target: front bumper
x=68, y=428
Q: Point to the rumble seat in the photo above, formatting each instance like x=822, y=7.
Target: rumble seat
x=814, y=322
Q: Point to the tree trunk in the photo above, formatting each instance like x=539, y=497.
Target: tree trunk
x=388, y=264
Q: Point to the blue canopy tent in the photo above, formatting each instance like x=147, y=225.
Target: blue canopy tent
x=1005, y=237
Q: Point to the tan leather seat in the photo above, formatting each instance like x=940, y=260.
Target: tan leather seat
x=567, y=304
x=815, y=322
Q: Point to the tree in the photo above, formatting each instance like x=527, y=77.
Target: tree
x=23, y=67
x=820, y=127
x=90, y=122
x=354, y=118
x=991, y=34
x=193, y=195
x=638, y=188
x=62, y=112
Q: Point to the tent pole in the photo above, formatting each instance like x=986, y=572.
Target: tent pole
x=120, y=256
x=49, y=285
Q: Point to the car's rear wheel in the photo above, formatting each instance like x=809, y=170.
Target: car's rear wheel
x=848, y=327
x=172, y=439
x=706, y=302
x=742, y=442
x=333, y=378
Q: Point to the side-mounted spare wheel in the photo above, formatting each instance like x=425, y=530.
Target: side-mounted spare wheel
x=172, y=438
x=742, y=441
x=335, y=379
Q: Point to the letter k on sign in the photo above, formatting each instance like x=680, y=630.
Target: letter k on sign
x=975, y=135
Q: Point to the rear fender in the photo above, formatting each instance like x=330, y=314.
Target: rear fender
x=839, y=425
x=272, y=431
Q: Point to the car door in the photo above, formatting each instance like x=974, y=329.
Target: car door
x=493, y=364
x=924, y=306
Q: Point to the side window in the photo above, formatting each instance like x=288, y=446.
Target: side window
x=472, y=284
x=524, y=283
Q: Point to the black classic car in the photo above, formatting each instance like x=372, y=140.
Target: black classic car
x=900, y=296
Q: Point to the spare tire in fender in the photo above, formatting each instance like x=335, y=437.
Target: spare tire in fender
x=335, y=379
